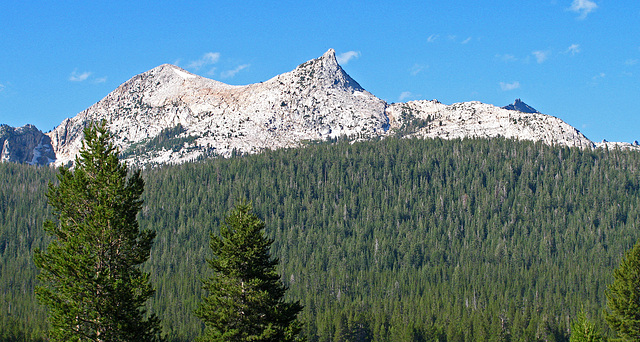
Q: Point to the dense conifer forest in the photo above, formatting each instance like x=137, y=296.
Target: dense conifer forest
x=390, y=240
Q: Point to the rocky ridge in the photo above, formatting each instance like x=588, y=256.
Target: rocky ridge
x=169, y=115
x=479, y=120
x=317, y=100
x=25, y=144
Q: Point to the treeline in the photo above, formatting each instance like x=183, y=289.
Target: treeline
x=391, y=240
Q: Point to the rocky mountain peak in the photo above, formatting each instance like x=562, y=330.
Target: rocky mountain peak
x=327, y=70
x=25, y=144
x=169, y=115
x=200, y=116
x=520, y=106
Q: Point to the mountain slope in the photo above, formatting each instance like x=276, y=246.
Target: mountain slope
x=25, y=144
x=480, y=120
x=315, y=101
x=168, y=115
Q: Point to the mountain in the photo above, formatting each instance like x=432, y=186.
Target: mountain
x=317, y=100
x=25, y=144
x=520, y=106
x=479, y=120
x=169, y=115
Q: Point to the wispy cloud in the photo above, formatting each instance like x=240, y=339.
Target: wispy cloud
x=417, y=68
x=506, y=57
x=466, y=41
x=100, y=80
x=432, y=38
x=208, y=58
x=233, y=72
x=2, y=86
x=345, y=57
x=583, y=7
x=595, y=80
x=631, y=62
x=509, y=86
x=573, y=49
x=407, y=95
x=541, y=56
x=79, y=77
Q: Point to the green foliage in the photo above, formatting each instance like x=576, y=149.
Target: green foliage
x=90, y=272
x=246, y=297
x=583, y=330
x=623, y=297
x=433, y=240
x=167, y=139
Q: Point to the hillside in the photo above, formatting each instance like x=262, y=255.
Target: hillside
x=168, y=115
x=380, y=240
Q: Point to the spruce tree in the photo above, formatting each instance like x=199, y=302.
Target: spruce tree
x=245, y=299
x=583, y=330
x=90, y=273
x=623, y=297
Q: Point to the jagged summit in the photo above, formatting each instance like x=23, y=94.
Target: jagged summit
x=25, y=144
x=169, y=115
x=520, y=106
x=315, y=101
x=326, y=70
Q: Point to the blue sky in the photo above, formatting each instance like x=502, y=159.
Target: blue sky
x=578, y=60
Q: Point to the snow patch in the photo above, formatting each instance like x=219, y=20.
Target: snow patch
x=183, y=74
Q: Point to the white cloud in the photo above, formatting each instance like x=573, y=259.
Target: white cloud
x=509, y=86
x=417, y=68
x=631, y=62
x=573, y=49
x=432, y=38
x=232, y=73
x=583, y=7
x=100, y=80
x=211, y=72
x=595, y=80
x=507, y=58
x=466, y=41
x=79, y=77
x=206, y=59
x=345, y=57
x=541, y=56
x=2, y=86
x=406, y=95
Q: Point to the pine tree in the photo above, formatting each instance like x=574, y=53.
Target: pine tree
x=245, y=299
x=623, y=297
x=90, y=276
x=583, y=330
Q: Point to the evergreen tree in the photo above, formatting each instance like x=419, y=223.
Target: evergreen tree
x=246, y=297
x=583, y=330
x=623, y=297
x=90, y=275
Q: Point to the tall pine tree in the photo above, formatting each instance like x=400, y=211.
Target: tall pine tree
x=623, y=297
x=246, y=297
x=90, y=273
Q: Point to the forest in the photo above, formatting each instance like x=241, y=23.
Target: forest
x=386, y=240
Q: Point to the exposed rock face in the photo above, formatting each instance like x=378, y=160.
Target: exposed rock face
x=315, y=101
x=520, y=106
x=476, y=119
x=25, y=144
x=168, y=115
